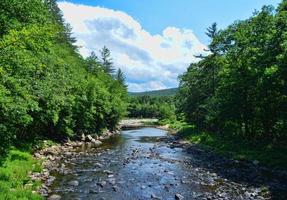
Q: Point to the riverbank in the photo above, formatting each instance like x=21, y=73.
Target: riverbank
x=53, y=155
x=257, y=152
x=27, y=174
x=137, y=123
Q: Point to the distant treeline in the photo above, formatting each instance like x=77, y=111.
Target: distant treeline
x=47, y=89
x=161, y=107
x=240, y=86
x=155, y=93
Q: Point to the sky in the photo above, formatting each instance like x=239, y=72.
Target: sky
x=152, y=41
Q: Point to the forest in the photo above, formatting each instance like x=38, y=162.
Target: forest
x=239, y=88
x=159, y=107
x=47, y=89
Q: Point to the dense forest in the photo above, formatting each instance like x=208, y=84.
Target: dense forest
x=239, y=88
x=47, y=89
x=160, y=107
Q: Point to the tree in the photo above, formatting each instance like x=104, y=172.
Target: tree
x=47, y=89
x=106, y=60
x=120, y=76
x=93, y=63
x=240, y=87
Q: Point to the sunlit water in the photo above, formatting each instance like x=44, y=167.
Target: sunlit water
x=141, y=166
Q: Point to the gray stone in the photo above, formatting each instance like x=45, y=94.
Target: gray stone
x=96, y=142
x=108, y=172
x=55, y=197
x=153, y=196
x=74, y=183
x=255, y=162
x=115, y=188
x=83, y=137
x=90, y=138
x=102, y=183
x=178, y=197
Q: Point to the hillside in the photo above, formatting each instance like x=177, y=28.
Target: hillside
x=165, y=92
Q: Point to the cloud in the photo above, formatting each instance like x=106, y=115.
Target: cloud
x=149, y=61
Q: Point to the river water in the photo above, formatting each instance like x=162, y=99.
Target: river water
x=140, y=164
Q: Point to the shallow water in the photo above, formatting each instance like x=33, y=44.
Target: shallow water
x=142, y=166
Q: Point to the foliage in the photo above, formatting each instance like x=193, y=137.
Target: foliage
x=120, y=77
x=151, y=107
x=106, y=61
x=236, y=147
x=14, y=180
x=47, y=90
x=239, y=87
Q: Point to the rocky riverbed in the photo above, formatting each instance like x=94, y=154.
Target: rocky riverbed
x=147, y=163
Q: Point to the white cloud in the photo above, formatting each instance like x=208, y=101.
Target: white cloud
x=149, y=61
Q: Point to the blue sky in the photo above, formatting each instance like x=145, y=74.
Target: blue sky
x=197, y=15
x=152, y=41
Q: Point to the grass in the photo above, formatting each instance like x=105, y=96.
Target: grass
x=15, y=183
x=269, y=154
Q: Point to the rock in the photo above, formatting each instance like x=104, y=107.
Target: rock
x=38, y=155
x=178, y=197
x=50, y=157
x=170, y=173
x=54, y=197
x=115, y=188
x=96, y=142
x=90, y=138
x=99, y=165
x=166, y=187
x=108, y=172
x=153, y=196
x=143, y=187
x=74, y=183
x=68, y=153
x=50, y=180
x=78, y=144
x=255, y=162
x=112, y=181
x=51, y=151
x=102, y=183
x=83, y=137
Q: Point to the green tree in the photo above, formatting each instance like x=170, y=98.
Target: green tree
x=120, y=76
x=106, y=61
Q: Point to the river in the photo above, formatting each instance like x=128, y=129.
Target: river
x=141, y=164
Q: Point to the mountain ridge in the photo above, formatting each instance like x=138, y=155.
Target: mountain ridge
x=155, y=93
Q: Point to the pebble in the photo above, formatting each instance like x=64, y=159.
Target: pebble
x=115, y=188
x=102, y=183
x=108, y=172
x=74, y=183
x=153, y=196
x=55, y=197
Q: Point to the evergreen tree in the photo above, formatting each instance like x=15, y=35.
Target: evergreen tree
x=106, y=61
x=93, y=63
x=120, y=76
